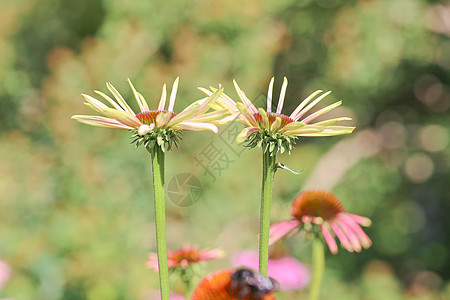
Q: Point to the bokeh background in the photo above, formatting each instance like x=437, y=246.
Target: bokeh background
x=76, y=212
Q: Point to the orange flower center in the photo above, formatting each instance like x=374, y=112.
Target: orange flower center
x=190, y=256
x=149, y=117
x=316, y=204
x=272, y=117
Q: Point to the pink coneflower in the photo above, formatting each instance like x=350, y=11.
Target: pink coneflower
x=276, y=127
x=324, y=210
x=288, y=271
x=120, y=115
x=184, y=257
x=5, y=273
x=242, y=284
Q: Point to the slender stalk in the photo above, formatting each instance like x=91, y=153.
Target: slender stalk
x=318, y=261
x=160, y=216
x=266, y=197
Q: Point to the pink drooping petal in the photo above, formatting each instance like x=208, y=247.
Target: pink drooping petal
x=347, y=230
x=100, y=121
x=278, y=230
x=362, y=236
x=360, y=220
x=341, y=236
x=269, y=95
x=329, y=238
x=196, y=126
x=282, y=95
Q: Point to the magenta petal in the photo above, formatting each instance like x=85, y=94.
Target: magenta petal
x=341, y=236
x=278, y=230
x=288, y=271
x=329, y=238
x=356, y=244
x=362, y=236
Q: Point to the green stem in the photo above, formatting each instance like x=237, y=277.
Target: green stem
x=160, y=216
x=269, y=165
x=318, y=261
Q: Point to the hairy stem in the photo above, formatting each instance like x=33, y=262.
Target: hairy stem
x=269, y=165
x=160, y=215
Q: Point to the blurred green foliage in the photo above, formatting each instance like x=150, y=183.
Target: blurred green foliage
x=76, y=212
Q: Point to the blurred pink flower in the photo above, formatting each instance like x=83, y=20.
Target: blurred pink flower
x=184, y=256
x=288, y=271
x=324, y=210
x=5, y=273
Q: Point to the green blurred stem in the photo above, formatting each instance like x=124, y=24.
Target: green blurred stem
x=269, y=165
x=160, y=213
x=318, y=262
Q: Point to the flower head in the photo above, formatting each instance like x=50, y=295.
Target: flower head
x=288, y=271
x=242, y=284
x=323, y=212
x=162, y=126
x=184, y=257
x=274, y=130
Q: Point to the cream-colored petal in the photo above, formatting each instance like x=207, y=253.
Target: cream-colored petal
x=173, y=94
x=211, y=99
x=162, y=101
x=119, y=98
x=292, y=126
x=330, y=132
x=269, y=95
x=163, y=118
x=196, y=126
x=100, y=121
x=244, y=99
x=247, y=114
x=282, y=95
x=212, y=116
x=304, y=103
x=276, y=124
x=140, y=101
x=331, y=121
x=321, y=112
x=144, y=129
x=245, y=133
x=111, y=101
x=264, y=117
x=123, y=117
x=311, y=105
x=95, y=104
